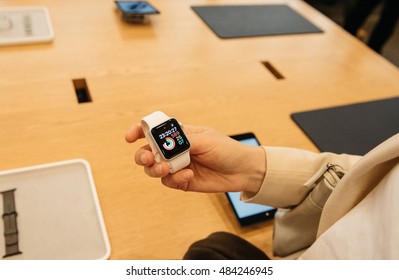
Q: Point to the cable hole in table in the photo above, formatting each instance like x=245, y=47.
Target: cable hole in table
x=82, y=90
x=273, y=70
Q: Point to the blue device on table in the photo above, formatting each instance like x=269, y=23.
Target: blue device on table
x=135, y=7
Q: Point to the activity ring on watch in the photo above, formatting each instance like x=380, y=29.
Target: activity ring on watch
x=167, y=140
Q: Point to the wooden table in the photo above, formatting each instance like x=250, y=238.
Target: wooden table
x=175, y=64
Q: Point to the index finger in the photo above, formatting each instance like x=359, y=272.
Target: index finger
x=134, y=133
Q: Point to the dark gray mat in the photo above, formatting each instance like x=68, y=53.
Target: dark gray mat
x=353, y=129
x=254, y=20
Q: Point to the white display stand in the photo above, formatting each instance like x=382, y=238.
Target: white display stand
x=25, y=25
x=58, y=215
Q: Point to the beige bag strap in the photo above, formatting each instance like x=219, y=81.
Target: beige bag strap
x=296, y=228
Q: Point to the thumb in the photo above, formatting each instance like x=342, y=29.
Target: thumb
x=179, y=180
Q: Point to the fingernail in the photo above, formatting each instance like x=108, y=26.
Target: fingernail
x=143, y=159
x=187, y=175
x=159, y=169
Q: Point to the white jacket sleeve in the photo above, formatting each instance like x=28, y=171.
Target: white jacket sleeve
x=287, y=169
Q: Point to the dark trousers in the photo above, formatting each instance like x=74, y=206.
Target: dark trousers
x=224, y=246
x=385, y=26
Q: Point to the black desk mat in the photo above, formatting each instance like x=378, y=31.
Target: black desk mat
x=254, y=20
x=353, y=129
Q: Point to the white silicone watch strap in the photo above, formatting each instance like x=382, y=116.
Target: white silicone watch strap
x=152, y=120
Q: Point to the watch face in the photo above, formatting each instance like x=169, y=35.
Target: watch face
x=170, y=138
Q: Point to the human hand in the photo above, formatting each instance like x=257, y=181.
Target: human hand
x=218, y=163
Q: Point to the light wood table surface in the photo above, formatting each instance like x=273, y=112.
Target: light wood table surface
x=174, y=63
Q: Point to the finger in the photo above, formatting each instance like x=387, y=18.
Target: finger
x=179, y=180
x=134, y=133
x=157, y=170
x=192, y=129
x=144, y=156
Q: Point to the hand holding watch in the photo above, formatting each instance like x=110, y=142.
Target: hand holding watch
x=167, y=140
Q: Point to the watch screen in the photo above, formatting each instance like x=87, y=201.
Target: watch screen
x=170, y=138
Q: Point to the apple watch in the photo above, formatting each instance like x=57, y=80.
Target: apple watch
x=167, y=140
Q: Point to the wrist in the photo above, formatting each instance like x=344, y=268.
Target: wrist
x=256, y=169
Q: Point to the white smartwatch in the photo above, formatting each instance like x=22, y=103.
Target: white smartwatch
x=167, y=140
